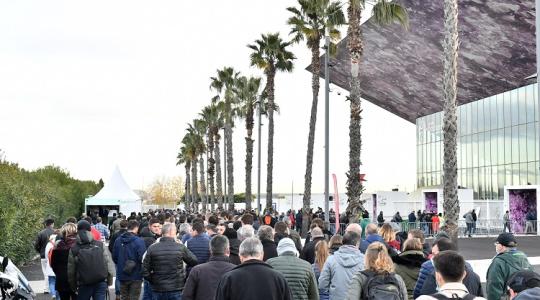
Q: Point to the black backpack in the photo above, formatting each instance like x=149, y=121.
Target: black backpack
x=91, y=265
x=381, y=286
x=454, y=297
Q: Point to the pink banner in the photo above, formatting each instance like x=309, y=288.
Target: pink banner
x=336, y=202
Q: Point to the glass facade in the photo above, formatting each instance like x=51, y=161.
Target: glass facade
x=497, y=144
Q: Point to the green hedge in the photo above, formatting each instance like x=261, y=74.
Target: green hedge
x=28, y=197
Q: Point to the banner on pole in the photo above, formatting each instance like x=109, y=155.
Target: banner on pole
x=336, y=202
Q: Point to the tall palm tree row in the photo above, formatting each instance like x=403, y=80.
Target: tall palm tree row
x=384, y=13
x=201, y=131
x=223, y=84
x=183, y=159
x=190, y=143
x=210, y=115
x=311, y=21
x=271, y=54
x=450, y=48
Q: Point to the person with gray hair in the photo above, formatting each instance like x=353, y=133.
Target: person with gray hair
x=163, y=265
x=266, y=236
x=253, y=279
x=203, y=279
x=245, y=232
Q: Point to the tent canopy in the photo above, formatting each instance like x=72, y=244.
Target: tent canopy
x=115, y=192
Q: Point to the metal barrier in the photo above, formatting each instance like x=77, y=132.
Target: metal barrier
x=479, y=228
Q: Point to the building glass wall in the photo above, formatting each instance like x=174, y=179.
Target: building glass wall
x=497, y=144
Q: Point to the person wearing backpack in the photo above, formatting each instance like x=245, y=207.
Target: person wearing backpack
x=449, y=273
x=127, y=255
x=90, y=267
x=378, y=280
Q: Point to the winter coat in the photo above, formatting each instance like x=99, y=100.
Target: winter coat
x=114, y=237
x=234, y=248
x=364, y=223
x=426, y=284
x=42, y=240
x=269, y=248
x=502, y=267
x=200, y=246
x=84, y=238
x=407, y=265
x=48, y=270
x=163, y=265
x=203, y=279
x=115, y=227
x=299, y=275
x=323, y=294
x=339, y=270
x=308, y=253
x=253, y=279
x=148, y=236
x=412, y=218
x=59, y=262
x=370, y=239
x=395, y=244
x=357, y=283
x=529, y=294
x=293, y=235
x=128, y=246
x=468, y=218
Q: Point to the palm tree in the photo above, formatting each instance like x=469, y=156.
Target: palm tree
x=201, y=129
x=271, y=54
x=183, y=159
x=384, y=13
x=223, y=83
x=310, y=22
x=210, y=114
x=450, y=47
x=190, y=144
x=247, y=91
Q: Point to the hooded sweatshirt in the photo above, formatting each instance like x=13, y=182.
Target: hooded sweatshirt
x=529, y=294
x=502, y=267
x=339, y=270
x=128, y=246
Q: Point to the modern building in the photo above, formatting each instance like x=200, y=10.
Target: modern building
x=401, y=71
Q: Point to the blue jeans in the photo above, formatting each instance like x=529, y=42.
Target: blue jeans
x=147, y=291
x=117, y=286
x=95, y=291
x=176, y=295
x=52, y=289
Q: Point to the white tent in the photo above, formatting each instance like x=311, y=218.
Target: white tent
x=116, y=192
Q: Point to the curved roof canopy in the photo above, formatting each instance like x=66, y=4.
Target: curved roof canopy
x=401, y=70
x=116, y=190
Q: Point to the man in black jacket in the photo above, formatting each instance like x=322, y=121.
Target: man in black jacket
x=253, y=279
x=266, y=236
x=151, y=233
x=308, y=253
x=42, y=240
x=114, y=237
x=163, y=265
x=203, y=279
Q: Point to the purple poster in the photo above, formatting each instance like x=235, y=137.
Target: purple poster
x=521, y=202
x=431, y=202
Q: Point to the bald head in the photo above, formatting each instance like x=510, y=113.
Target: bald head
x=353, y=227
x=371, y=228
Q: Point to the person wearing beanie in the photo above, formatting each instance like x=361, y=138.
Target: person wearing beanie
x=507, y=261
x=524, y=285
x=297, y=272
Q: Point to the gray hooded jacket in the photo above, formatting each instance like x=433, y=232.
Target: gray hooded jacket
x=339, y=270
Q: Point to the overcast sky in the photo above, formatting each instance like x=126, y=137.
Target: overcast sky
x=94, y=84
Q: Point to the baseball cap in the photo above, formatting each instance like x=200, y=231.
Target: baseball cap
x=523, y=280
x=506, y=239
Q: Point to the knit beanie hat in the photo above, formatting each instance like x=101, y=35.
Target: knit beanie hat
x=286, y=245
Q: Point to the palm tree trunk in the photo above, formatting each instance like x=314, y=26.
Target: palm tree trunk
x=211, y=170
x=230, y=166
x=356, y=48
x=450, y=47
x=249, y=155
x=204, y=200
x=311, y=137
x=217, y=156
x=194, y=187
x=271, y=73
x=187, y=196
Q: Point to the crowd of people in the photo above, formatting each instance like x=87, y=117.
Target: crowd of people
x=171, y=254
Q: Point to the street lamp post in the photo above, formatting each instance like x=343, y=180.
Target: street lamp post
x=259, y=161
x=327, y=129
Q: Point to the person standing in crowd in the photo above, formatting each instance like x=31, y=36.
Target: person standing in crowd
x=419, y=234
x=308, y=253
x=102, y=229
x=283, y=230
x=111, y=221
x=296, y=271
x=234, y=245
x=506, y=220
x=203, y=279
x=59, y=261
x=530, y=226
x=41, y=242
x=266, y=236
x=371, y=237
x=469, y=221
x=253, y=279
x=397, y=218
x=335, y=243
x=524, y=285
x=298, y=222
x=475, y=219
x=378, y=280
x=49, y=271
x=389, y=236
x=412, y=220
x=408, y=263
x=127, y=255
x=339, y=268
x=151, y=233
x=449, y=273
x=90, y=267
x=321, y=255
x=364, y=223
x=245, y=232
x=380, y=219
x=211, y=230
x=435, y=223
x=163, y=265
x=114, y=237
x=507, y=261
